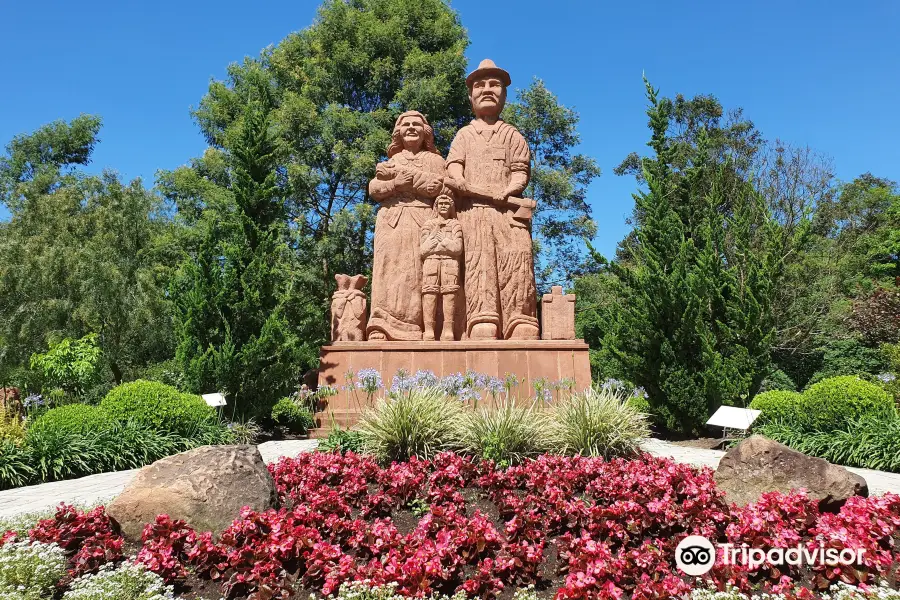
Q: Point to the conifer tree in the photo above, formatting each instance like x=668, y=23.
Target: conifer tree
x=231, y=296
x=695, y=327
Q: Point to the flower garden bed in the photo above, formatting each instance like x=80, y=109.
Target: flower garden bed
x=572, y=527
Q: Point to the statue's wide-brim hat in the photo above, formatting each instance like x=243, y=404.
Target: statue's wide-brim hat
x=487, y=68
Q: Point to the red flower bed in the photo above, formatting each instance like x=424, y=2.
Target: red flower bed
x=579, y=528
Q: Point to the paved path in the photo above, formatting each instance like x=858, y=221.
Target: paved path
x=879, y=481
x=97, y=489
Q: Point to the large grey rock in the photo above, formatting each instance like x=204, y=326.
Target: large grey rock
x=759, y=465
x=207, y=487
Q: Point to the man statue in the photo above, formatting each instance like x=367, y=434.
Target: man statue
x=488, y=167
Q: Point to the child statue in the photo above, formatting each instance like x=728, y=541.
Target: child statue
x=441, y=251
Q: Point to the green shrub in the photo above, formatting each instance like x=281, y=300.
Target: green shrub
x=778, y=380
x=832, y=403
x=159, y=406
x=246, y=432
x=420, y=423
x=60, y=453
x=15, y=465
x=296, y=418
x=12, y=427
x=849, y=357
x=506, y=434
x=71, y=365
x=870, y=443
x=74, y=418
x=341, y=440
x=31, y=568
x=597, y=422
x=778, y=405
x=127, y=581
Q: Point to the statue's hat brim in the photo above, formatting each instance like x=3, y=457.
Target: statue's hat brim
x=487, y=68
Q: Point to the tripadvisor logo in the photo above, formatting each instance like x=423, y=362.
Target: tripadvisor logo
x=695, y=555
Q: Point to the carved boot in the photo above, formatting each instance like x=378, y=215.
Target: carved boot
x=449, y=305
x=429, y=310
x=484, y=331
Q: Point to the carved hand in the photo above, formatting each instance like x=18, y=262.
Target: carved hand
x=404, y=178
x=434, y=186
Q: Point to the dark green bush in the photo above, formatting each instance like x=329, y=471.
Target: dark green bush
x=297, y=419
x=778, y=406
x=832, y=403
x=849, y=357
x=162, y=407
x=778, y=380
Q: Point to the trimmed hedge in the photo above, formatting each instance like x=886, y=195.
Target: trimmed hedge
x=828, y=405
x=778, y=406
x=71, y=418
x=160, y=406
x=834, y=402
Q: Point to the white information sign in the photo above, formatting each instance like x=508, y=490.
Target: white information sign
x=214, y=399
x=731, y=417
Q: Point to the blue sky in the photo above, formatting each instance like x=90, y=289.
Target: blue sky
x=824, y=74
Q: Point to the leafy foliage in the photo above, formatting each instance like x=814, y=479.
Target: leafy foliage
x=598, y=422
x=331, y=92
x=231, y=319
x=289, y=414
x=870, y=443
x=506, y=433
x=341, y=441
x=418, y=423
x=779, y=406
x=832, y=403
x=159, y=406
x=71, y=365
x=848, y=357
x=694, y=325
x=15, y=465
x=81, y=254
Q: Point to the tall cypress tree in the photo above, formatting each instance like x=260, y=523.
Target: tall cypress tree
x=695, y=326
x=230, y=296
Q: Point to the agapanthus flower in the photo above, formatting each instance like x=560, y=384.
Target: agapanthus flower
x=369, y=380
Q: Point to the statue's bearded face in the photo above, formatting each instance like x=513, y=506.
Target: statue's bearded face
x=488, y=95
x=412, y=132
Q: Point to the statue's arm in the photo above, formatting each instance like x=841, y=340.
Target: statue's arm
x=427, y=184
x=454, y=243
x=519, y=165
x=381, y=189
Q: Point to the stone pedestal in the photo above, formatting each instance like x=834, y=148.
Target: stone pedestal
x=528, y=360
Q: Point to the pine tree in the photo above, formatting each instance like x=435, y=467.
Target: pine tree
x=695, y=327
x=230, y=297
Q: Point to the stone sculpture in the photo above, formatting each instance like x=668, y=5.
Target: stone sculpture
x=488, y=167
x=558, y=315
x=348, y=309
x=442, y=248
x=405, y=186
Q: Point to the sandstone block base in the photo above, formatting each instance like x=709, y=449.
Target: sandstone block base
x=527, y=360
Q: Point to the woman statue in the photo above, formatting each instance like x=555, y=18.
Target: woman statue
x=405, y=185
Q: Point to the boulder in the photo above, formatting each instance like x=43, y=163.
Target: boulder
x=207, y=487
x=759, y=465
